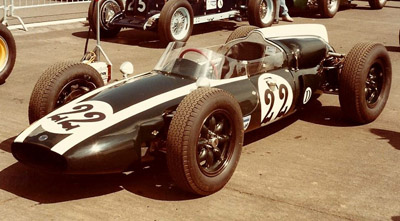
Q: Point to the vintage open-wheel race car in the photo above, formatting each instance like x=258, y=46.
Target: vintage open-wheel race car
x=8, y=53
x=174, y=19
x=196, y=104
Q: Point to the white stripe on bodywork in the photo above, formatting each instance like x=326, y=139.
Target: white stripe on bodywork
x=36, y=124
x=74, y=139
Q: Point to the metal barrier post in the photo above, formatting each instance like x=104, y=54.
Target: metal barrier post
x=4, y=19
x=11, y=10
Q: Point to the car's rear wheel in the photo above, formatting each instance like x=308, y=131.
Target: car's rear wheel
x=328, y=8
x=261, y=13
x=8, y=53
x=240, y=32
x=204, y=141
x=108, y=9
x=176, y=21
x=60, y=84
x=377, y=4
x=364, y=83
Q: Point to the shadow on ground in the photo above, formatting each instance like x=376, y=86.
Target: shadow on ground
x=152, y=182
x=149, y=39
x=393, y=48
x=395, y=218
x=393, y=137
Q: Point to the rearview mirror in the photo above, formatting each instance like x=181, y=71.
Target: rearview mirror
x=126, y=68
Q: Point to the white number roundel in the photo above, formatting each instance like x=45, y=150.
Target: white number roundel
x=81, y=116
x=276, y=97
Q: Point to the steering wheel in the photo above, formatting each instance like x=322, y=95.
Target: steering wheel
x=204, y=55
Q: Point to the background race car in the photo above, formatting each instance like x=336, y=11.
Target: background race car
x=327, y=8
x=174, y=19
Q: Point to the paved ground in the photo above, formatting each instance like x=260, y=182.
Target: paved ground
x=311, y=166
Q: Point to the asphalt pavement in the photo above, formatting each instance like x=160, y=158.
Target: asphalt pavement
x=313, y=165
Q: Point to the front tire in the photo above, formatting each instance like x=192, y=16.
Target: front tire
x=8, y=53
x=240, y=32
x=108, y=8
x=364, y=83
x=176, y=21
x=377, y=4
x=60, y=84
x=205, y=141
x=261, y=13
x=328, y=8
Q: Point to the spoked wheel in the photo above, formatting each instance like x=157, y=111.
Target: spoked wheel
x=364, y=83
x=7, y=53
x=108, y=9
x=176, y=21
x=328, y=8
x=204, y=141
x=59, y=85
x=261, y=13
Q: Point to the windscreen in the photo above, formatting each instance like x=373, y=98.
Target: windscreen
x=239, y=57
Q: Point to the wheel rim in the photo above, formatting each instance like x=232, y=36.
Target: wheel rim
x=381, y=2
x=74, y=89
x=374, y=84
x=332, y=5
x=107, y=12
x=215, y=144
x=266, y=9
x=180, y=23
x=4, y=52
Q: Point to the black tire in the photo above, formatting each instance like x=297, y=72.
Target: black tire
x=172, y=9
x=240, y=32
x=261, y=13
x=364, y=83
x=377, y=4
x=8, y=53
x=60, y=84
x=328, y=8
x=191, y=136
x=112, y=6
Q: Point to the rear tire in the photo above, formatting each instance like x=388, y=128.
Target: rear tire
x=108, y=8
x=176, y=21
x=261, y=13
x=60, y=84
x=240, y=32
x=8, y=53
x=364, y=83
x=377, y=4
x=205, y=141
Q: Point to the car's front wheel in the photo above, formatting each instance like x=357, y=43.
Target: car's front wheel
x=364, y=83
x=60, y=84
x=204, y=141
x=176, y=21
x=8, y=53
